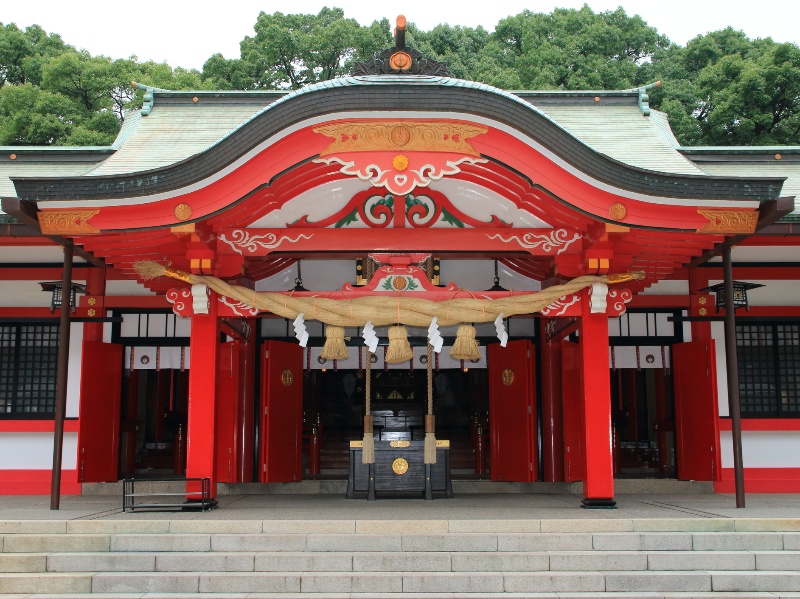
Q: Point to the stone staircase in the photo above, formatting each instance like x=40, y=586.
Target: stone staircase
x=192, y=555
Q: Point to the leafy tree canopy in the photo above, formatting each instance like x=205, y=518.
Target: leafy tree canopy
x=722, y=88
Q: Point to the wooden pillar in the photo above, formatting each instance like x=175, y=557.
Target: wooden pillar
x=201, y=433
x=61, y=378
x=732, y=368
x=552, y=408
x=598, y=480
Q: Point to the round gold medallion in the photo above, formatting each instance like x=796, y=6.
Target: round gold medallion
x=400, y=135
x=400, y=466
x=399, y=283
x=92, y=301
x=400, y=60
x=183, y=211
x=287, y=378
x=618, y=211
x=508, y=377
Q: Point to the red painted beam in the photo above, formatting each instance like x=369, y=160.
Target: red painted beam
x=537, y=242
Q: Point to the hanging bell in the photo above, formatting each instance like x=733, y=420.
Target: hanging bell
x=465, y=346
x=334, y=348
x=399, y=349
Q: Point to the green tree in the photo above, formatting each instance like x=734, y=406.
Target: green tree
x=23, y=52
x=578, y=49
x=725, y=89
x=289, y=51
x=30, y=115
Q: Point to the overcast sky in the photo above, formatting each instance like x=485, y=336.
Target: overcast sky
x=186, y=33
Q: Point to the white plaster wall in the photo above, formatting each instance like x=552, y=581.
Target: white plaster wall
x=763, y=449
x=24, y=294
x=668, y=288
x=34, y=451
x=748, y=253
x=718, y=334
x=74, y=369
x=33, y=254
x=126, y=288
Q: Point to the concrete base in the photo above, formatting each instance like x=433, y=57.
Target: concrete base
x=460, y=487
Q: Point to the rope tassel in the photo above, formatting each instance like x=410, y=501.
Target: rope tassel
x=334, y=348
x=465, y=347
x=399, y=348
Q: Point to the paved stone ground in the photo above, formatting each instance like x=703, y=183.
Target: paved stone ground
x=482, y=506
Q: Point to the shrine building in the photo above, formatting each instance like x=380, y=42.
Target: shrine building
x=566, y=237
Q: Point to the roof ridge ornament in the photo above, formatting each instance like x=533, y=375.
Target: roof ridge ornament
x=400, y=60
x=644, y=97
x=148, y=100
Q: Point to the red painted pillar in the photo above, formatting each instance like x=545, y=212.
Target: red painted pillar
x=598, y=480
x=201, y=425
x=95, y=296
x=245, y=441
x=552, y=408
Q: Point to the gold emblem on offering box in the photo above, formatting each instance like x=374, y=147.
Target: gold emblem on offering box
x=400, y=466
x=508, y=377
x=400, y=443
x=287, y=378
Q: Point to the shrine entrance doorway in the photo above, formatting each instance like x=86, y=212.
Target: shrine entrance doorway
x=334, y=406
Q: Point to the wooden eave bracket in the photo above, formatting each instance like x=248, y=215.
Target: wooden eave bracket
x=27, y=214
x=768, y=213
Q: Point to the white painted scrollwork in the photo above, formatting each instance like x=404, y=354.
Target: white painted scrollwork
x=561, y=304
x=178, y=298
x=557, y=240
x=620, y=297
x=238, y=307
x=242, y=240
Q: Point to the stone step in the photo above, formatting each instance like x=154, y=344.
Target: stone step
x=401, y=582
x=344, y=561
x=198, y=524
x=389, y=541
x=596, y=595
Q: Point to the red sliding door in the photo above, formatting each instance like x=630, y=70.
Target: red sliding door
x=99, y=429
x=281, y=414
x=512, y=411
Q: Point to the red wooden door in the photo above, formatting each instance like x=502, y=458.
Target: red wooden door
x=696, y=410
x=571, y=392
x=99, y=424
x=229, y=388
x=512, y=412
x=281, y=417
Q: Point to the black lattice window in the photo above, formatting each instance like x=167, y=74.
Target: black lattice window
x=28, y=366
x=769, y=369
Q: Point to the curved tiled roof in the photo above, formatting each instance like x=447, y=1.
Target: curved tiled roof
x=173, y=153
